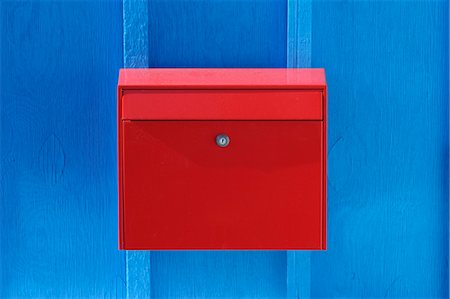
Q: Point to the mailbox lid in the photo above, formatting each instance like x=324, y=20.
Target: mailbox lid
x=233, y=94
x=222, y=78
x=263, y=191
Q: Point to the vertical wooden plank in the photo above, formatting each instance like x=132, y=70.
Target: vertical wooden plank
x=218, y=34
x=135, y=33
x=2, y=193
x=299, y=20
x=299, y=14
x=58, y=207
x=218, y=274
x=138, y=273
x=298, y=273
x=387, y=74
x=135, y=55
x=232, y=33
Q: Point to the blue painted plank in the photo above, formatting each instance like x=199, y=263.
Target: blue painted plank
x=387, y=74
x=216, y=33
x=135, y=33
x=299, y=20
x=298, y=274
x=135, y=54
x=58, y=213
x=299, y=16
x=219, y=274
x=387, y=67
x=138, y=273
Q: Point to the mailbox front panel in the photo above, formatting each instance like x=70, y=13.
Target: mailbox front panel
x=183, y=191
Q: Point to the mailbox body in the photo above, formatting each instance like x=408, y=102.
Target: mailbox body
x=179, y=190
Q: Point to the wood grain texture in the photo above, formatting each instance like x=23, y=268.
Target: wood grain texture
x=135, y=33
x=232, y=33
x=135, y=55
x=387, y=74
x=219, y=274
x=138, y=270
x=218, y=34
x=299, y=21
x=298, y=274
x=58, y=213
x=387, y=71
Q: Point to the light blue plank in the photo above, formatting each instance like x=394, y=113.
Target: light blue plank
x=2, y=171
x=135, y=55
x=387, y=74
x=299, y=14
x=135, y=33
x=298, y=274
x=58, y=205
x=138, y=274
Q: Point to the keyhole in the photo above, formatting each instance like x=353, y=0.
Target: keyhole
x=222, y=140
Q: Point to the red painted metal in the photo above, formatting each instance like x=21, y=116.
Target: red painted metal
x=228, y=78
x=222, y=105
x=179, y=190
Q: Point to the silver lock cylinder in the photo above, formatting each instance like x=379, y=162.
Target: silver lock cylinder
x=222, y=140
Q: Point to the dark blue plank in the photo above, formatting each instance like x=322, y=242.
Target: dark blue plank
x=217, y=33
x=387, y=73
x=59, y=63
x=219, y=274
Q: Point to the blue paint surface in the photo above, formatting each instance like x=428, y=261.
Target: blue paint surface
x=135, y=33
x=217, y=33
x=135, y=55
x=58, y=213
x=387, y=73
x=219, y=274
x=299, y=20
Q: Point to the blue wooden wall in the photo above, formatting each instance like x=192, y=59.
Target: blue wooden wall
x=387, y=72
x=387, y=68
x=58, y=214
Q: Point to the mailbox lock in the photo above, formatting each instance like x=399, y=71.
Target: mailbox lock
x=222, y=140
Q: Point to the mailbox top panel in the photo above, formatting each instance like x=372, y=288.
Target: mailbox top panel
x=229, y=78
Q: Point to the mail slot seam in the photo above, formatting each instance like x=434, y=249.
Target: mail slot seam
x=222, y=120
x=126, y=89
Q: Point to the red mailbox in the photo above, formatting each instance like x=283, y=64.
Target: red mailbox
x=222, y=159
